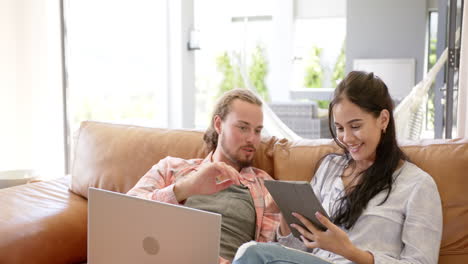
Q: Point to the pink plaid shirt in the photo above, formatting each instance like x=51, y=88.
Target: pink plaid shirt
x=158, y=184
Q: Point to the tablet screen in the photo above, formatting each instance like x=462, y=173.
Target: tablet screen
x=299, y=197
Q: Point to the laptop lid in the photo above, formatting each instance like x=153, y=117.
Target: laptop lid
x=126, y=229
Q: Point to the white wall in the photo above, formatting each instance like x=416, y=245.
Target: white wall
x=31, y=113
x=432, y=4
x=279, y=78
x=382, y=29
x=319, y=8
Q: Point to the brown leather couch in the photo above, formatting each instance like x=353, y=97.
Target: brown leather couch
x=46, y=222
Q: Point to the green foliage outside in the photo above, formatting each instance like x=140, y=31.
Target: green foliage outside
x=258, y=71
x=233, y=78
x=313, y=72
x=430, y=101
x=432, y=53
x=323, y=104
x=339, y=69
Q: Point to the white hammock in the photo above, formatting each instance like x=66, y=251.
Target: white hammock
x=410, y=112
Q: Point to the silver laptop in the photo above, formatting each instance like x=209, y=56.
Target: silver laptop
x=126, y=229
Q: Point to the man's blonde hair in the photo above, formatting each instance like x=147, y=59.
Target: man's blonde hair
x=223, y=108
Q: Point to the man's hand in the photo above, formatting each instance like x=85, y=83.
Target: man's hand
x=209, y=178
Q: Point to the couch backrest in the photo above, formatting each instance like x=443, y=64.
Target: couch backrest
x=447, y=162
x=114, y=157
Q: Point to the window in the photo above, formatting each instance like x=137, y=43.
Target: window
x=316, y=51
x=428, y=131
x=264, y=41
x=231, y=34
x=116, y=62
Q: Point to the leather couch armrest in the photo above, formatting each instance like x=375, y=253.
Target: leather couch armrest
x=42, y=222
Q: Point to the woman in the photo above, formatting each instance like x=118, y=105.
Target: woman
x=383, y=208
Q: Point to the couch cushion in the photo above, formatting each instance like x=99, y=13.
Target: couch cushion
x=447, y=162
x=42, y=223
x=114, y=157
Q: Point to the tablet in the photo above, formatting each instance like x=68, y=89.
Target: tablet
x=299, y=197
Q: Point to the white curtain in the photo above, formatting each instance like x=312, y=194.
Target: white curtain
x=462, y=118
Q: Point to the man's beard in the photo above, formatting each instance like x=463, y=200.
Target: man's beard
x=232, y=157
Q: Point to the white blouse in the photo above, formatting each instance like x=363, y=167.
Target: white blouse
x=407, y=228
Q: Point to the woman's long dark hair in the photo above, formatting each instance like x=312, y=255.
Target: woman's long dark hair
x=370, y=93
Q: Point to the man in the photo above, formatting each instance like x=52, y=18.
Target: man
x=224, y=182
